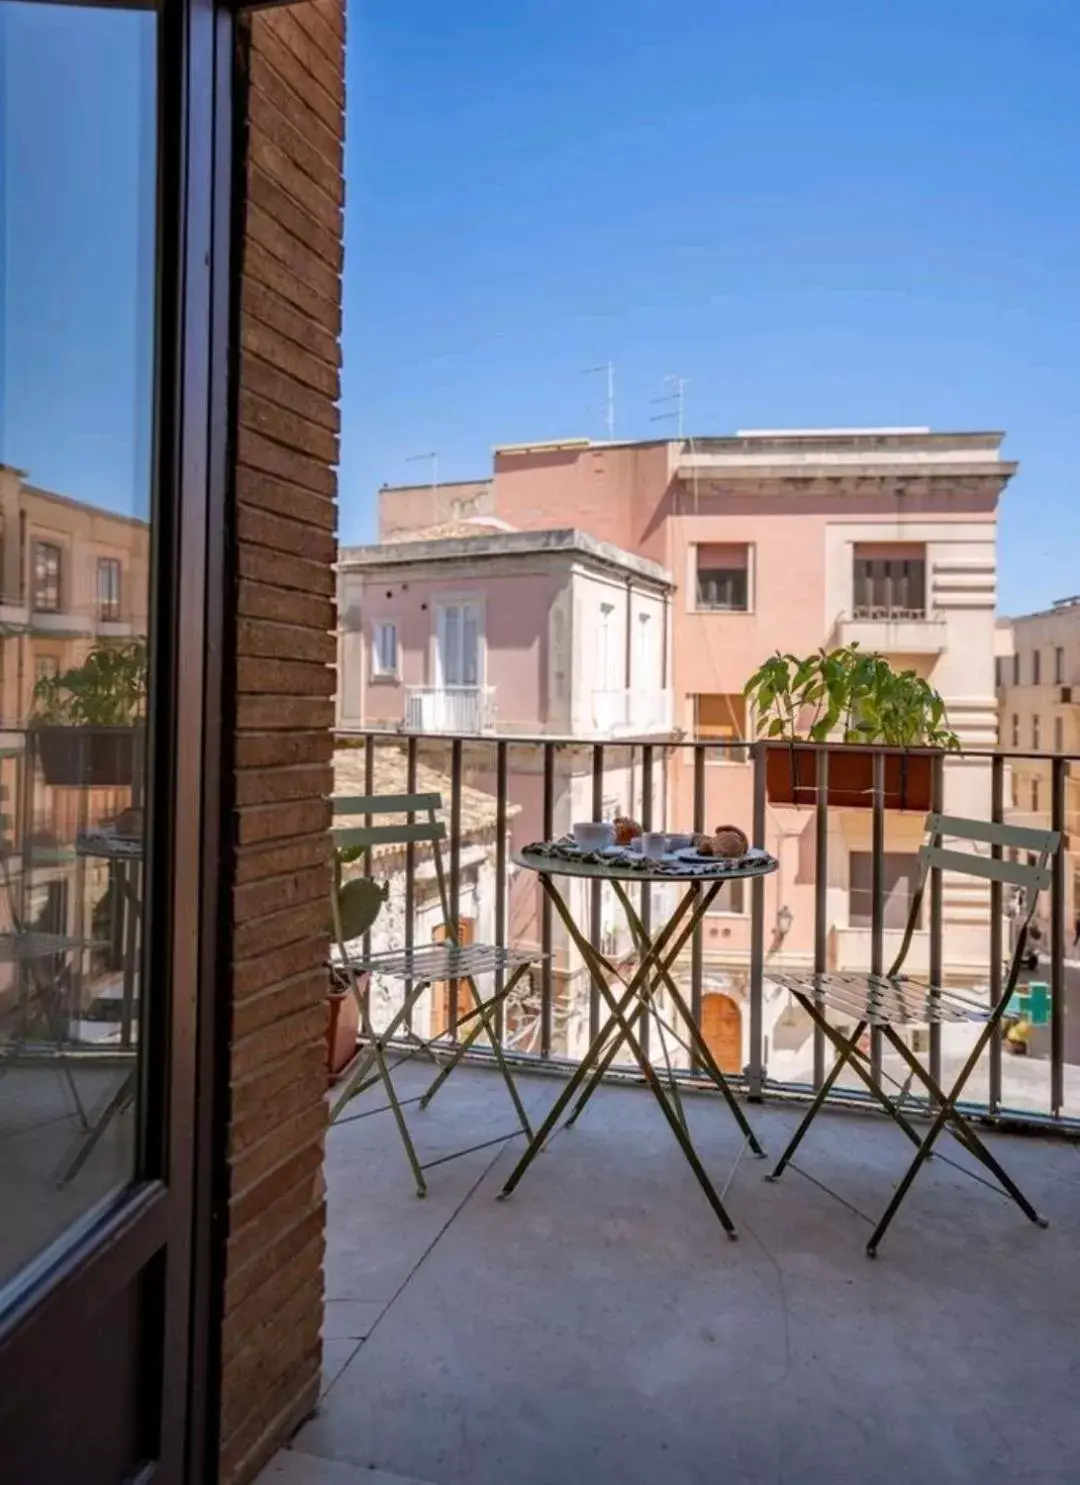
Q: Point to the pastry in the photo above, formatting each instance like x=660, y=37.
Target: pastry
x=729, y=840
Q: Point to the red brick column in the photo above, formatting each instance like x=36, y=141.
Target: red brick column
x=291, y=89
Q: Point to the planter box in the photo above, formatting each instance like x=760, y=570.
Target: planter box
x=88, y=757
x=791, y=777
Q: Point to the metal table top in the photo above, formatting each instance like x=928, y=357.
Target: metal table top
x=617, y=864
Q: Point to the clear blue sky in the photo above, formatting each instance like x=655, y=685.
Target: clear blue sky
x=827, y=213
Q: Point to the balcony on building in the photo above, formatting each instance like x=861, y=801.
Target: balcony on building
x=468, y=710
x=631, y=713
x=603, y=1292
x=889, y=612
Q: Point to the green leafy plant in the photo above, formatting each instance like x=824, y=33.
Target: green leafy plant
x=107, y=690
x=850, y=695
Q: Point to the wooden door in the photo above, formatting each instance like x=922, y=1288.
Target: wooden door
x=721, y=1026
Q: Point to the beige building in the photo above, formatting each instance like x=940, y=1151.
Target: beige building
x=1038, y=687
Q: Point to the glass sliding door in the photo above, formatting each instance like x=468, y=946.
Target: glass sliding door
x=105, y=182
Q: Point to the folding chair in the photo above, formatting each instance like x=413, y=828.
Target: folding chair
x=419, y=967
x=886, y=1002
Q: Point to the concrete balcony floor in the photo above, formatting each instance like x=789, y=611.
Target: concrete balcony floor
x=600, y=1327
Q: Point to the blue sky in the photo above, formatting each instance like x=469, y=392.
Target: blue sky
x=829, y=213
x=76, y=250
x=835, y=213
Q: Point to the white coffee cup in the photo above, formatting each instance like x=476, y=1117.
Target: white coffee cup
x=593, y=835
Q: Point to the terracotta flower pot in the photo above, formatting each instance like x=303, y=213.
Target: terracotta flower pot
x=791, y=777
x=342, y=1030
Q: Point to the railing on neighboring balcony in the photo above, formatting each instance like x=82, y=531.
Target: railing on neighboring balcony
x=908, y=631
x=631, y=713
x=465, y=709
x=500, y=792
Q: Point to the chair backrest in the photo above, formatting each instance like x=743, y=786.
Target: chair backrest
x=352, y=840
x=1030, y=876
x=400, y=834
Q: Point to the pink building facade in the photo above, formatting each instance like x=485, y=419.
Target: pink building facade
x=787, y=541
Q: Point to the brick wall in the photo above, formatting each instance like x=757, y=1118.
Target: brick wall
x=291, y=95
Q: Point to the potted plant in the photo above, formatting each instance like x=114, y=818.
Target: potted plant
x=357, y=903
x=848, y=696
x=88, y=721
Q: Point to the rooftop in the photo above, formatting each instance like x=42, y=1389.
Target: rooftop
x=598, y=1327
x=422, y=547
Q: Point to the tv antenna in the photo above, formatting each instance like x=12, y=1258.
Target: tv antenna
x=676, y=396
x=432, y=459
x=608, y=369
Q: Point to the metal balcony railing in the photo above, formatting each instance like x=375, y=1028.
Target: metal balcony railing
x=464, y=709
x=499, y=793
x=631, y=713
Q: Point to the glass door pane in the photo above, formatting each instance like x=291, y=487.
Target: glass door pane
x=77, y=272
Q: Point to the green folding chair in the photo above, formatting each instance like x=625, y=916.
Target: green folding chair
x=355, y=907
x=891, y=1001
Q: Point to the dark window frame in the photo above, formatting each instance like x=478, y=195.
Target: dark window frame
x=889, y=587
x=109, y=607
x=47, y=591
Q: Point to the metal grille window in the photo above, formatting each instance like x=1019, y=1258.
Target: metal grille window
x=108, y=586
x=889, y=587
x=46, y=577
x=723, y=577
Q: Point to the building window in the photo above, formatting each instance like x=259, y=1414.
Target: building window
x=899, y=875
x=384, y=650
x=889, y=585
x=1016, y=669
x=1059, y=666
x=1034, y=796
x=1015, y=730
x=108, y=588
x=46, y=577
x=457, y=645
x=1036, y=667
x=723, y=577
x=721, y=718
x=1036, y=733
x=1059, y=735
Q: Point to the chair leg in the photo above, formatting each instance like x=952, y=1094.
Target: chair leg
x=843, y=1058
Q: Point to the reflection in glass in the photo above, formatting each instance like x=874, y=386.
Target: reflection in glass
x=77, y=152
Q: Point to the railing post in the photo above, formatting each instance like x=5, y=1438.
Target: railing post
x=821, y=901
x=596, y=912
x=545, y=907
x=696, y=955
x=455, y=869
x=1057, y=941
x=645, y=891
x=937, y=968
x=877, y=895
x=755, y=1070
x=410, y=866
x=997, y=815
x=500, y=878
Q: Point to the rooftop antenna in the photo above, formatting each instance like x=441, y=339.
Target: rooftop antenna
x=608, y=368
x=677, y=396
x=434, y=458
